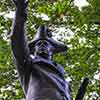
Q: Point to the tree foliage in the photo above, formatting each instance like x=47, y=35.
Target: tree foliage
x=78, y=29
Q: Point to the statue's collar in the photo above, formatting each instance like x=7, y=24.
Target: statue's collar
x=36, y=60
x=39, y=59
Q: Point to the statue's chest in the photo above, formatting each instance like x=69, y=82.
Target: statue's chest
x=45, y=81
x=41, y=75
x=42, y=88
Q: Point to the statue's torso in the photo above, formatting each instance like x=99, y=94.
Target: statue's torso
x=45, y=81
x=40, y=88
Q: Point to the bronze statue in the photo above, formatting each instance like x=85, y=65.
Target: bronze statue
x=41, y=78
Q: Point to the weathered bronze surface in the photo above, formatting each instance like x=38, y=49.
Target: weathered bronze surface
x=41, y=78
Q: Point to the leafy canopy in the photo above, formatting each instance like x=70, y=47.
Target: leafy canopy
x=78, y=29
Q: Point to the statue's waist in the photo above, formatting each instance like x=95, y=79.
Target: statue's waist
x=44, y=94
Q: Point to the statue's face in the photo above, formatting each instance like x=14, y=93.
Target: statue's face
x=43, y=48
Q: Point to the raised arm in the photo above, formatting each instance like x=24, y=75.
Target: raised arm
x=18, y=41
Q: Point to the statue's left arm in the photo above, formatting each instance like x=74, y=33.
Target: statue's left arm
x=18, y=40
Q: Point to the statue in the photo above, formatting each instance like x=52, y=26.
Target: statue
x=41, y=78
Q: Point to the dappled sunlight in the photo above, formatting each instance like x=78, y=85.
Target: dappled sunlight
x=81, y=3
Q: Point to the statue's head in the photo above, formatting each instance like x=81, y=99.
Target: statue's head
x=44, y=45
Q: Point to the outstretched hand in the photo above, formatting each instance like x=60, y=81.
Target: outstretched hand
x=21, y=3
